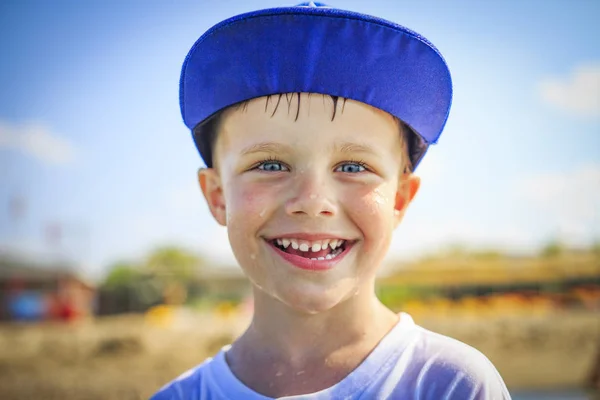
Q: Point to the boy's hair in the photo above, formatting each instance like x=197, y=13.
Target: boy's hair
x=206, y=133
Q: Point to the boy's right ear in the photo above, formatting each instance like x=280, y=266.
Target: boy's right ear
x=210, y=183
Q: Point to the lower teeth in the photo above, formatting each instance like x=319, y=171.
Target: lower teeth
x=335, y=253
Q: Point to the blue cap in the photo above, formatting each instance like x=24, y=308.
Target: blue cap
x=317, y=49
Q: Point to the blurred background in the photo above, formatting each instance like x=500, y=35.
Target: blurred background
x=114, y=278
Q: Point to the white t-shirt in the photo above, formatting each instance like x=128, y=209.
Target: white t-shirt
x=410, y=362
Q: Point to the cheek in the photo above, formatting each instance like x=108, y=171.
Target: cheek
x=247, y=202
x=374, y=215
x=246, y=207
x=379, y=201
x=373, y=202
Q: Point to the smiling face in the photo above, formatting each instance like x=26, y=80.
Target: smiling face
x=310, y=203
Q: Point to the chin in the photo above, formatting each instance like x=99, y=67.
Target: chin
x=311, y=299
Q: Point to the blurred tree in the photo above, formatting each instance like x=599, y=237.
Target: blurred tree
x=122, y=274
x=176, y=269
x=552, y=249
x=173, y=264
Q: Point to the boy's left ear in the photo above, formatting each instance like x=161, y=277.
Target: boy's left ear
x=407, y=189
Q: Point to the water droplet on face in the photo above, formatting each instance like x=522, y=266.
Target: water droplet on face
x=279, y=373
x=378, y=197
x=313, y=196
x=262, y=213
x=253, y=256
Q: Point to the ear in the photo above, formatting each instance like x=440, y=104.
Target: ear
x=407, y=189
x=211, y=186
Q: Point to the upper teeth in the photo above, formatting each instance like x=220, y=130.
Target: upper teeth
x=312, y=245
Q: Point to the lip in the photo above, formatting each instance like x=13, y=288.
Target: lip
x=307, y=263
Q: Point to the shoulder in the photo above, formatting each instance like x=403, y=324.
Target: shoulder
x=430, y=366
x=440, y=351
x=189, y=385
x=446, y=368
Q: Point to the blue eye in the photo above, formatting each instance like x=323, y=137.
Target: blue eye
x=272, y=166
x=351, y=168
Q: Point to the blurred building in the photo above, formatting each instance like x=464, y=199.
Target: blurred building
x=571, y=279
x=226, y=283
x=33, y=290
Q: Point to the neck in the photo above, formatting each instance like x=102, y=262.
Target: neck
x=282, y=333
x=286, y=352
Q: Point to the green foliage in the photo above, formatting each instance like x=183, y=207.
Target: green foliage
x=162, y=267
x=173, y=263
x=394, y=296
x=122, y=274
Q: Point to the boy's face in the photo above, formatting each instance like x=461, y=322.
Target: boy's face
x=306, y=183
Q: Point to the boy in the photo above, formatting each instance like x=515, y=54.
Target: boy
x=311, y=121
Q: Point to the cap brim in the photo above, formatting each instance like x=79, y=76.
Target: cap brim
x=319, y=50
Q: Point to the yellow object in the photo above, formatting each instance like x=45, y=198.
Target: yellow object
x=225, y=309
x=161, y=315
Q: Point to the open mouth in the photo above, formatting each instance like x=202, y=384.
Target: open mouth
x=316, y=250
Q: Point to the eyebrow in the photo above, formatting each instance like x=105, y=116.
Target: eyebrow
x=350, y=147
x=266, y=147
x=279, y=148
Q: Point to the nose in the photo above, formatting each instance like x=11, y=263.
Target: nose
x=311, y=196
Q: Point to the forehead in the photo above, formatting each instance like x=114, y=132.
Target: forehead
x=300, y=117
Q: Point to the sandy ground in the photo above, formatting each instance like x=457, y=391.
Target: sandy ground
x=128, y=358
x=110, y=358
x=559, y=350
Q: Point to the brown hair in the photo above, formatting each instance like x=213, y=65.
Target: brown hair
x=205, y=133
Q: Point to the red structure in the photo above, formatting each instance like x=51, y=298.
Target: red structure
x=36, y=291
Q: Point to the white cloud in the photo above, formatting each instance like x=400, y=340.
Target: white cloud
x=569, y=202
x=37, y=141
x=577, y=93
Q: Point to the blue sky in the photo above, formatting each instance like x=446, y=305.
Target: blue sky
x=91, y=137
